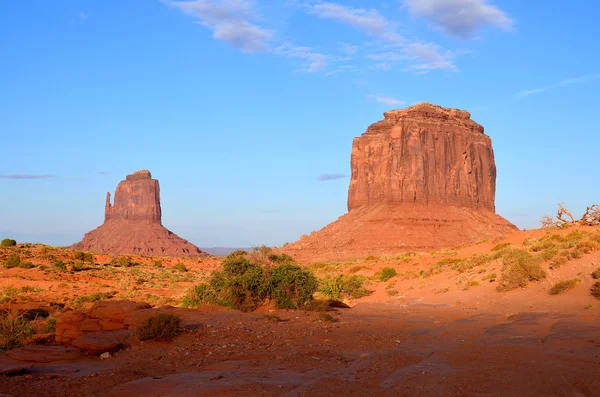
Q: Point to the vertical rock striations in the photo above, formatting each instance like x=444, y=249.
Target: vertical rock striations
x=132, y=225
x=424, y=177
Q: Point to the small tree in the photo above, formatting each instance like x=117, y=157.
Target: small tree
x=7, y=242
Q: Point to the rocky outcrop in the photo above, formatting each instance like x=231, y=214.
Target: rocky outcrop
x=423, y=178
x=44, y=354
x=133, y=225
x=424, y=154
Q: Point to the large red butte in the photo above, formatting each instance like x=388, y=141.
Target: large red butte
x=422, y=178
x=132, y=225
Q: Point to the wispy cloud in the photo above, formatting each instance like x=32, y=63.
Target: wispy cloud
x=312, y=61
x=330, y=177
x=367, y=20
x=418, y=57
x=460, y=18
x=83, y=15
x=387, y=100
x=232, y=21
x=27, y=176
x=348, y=49
x=562, y=83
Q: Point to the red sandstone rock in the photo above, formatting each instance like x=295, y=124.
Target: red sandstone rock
x=423, y=178
x=132, y=225
x=14, y=369
x=44, y=354
x=68, y=327
x=106, y=341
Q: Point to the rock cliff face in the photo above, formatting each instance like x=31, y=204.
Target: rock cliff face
x=132, y=225
x=136, y=198
x=424, y=154
x=423, y=178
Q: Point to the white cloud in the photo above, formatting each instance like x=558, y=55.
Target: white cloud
x=229, y=21
x=83, y=16
x=575, y=80
x=313, y=61
x=367, y=20
x=386, y=100
x=348, y=49
x=429, y=56
x=461, y=18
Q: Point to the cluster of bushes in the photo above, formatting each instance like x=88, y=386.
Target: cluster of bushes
x=344, y=285
x=85, y=257
x=7, y=242
x=519, y=267
x=13, y=260
x=164, y=326
x=244, y=285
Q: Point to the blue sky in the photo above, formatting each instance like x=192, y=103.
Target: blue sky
x=245, y=110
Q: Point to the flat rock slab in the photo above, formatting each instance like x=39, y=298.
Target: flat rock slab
x=100, y=342
x=44, y=354
x=210, y=383
x=13, y=369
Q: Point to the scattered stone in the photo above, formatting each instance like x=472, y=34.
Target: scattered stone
x=99, y=342
x=105, y=355
x=44, y=354
x=132, y=225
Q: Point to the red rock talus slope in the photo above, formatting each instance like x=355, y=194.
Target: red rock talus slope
x=132, y=225
x=422, y=178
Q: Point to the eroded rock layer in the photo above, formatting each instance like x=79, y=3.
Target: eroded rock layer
x=423, y=178
x=132, y=225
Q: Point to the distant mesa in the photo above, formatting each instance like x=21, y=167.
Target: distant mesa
x=423, y=178
x=132, y=225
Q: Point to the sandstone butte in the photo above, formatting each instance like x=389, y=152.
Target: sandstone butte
x=422, y=178
x=133, y=225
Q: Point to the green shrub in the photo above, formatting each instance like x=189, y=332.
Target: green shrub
x=60, y=266
x=158, y=263
x=162, y=327
x=563, y=286
x=328, y=318
x=26, y=265
x=51, y=325
x=519, y=268
x=88, y=258
x=335, y=287
x=180, y=267
x=13, y=260
x=291, y=286
x=14, y=328
x=281, y=258
x=78, y=255
x=558, y=262
x=387, y=273
x=239, y=285
x=501, y=246
x=595, y=290
x=7, y=242
x=123, y=261
x=8, y=294
x=77, y=266
x=198, y=296
x=596, y=273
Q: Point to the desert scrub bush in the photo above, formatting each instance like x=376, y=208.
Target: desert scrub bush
x=529, y=241
x=158, y=264
x=14, y=329
x=387, y=273
x=281, y=258
x=8, y=294
x=337, y=287
x=96, y=296
x=558, y=262
x=356, y=269
x=596, y=274
x=501, y=246
x=164, y=326
x=78, y=255
x=371, y=258
x=77, y=266
x=34, y=314
x=328, y=318
x=26, y=265
x=13, y=260
x=595, y=290
x=124, y=261
x=563, y=286
x=180, y=267
x=60, y=266
x=290, y=286
x=519, y=268
x=8, y=242
x=198, y=296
